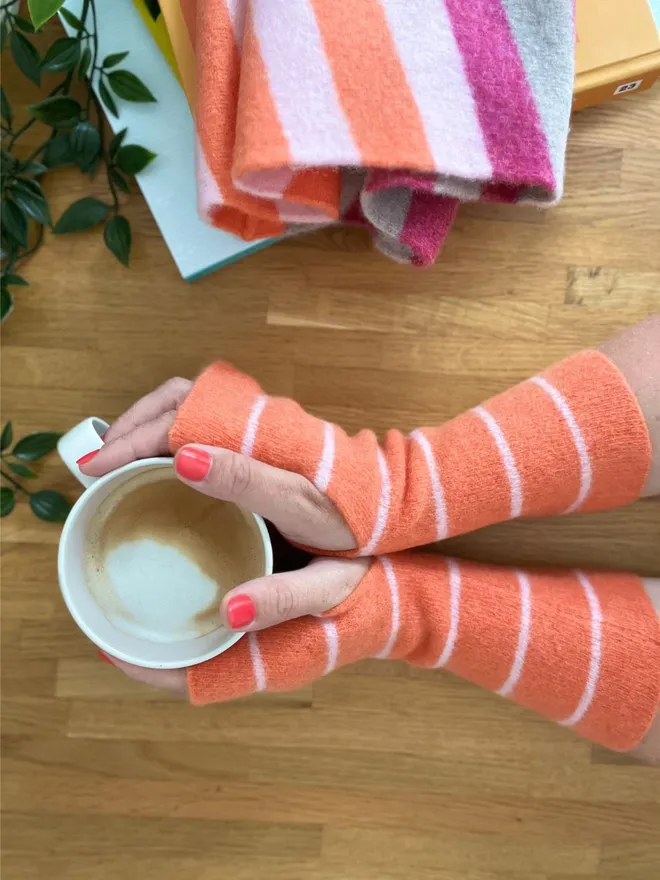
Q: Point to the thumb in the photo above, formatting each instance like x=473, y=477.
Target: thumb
x=296, y=507
x=267, y=601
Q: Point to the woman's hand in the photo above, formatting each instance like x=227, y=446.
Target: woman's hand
x=302, y=513
x=299, y=511
x=322, y=585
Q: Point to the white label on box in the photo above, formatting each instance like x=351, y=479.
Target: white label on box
x=628, y=87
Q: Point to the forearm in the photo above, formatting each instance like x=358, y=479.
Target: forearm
x=636, y=353
x=580, y=648
x=573, y=439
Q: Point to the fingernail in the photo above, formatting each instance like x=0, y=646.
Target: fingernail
x=104, y=657
x=192, y=464
x=87, y=457
x=240, y=611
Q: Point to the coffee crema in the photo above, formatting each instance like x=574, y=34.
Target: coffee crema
x=160, y=556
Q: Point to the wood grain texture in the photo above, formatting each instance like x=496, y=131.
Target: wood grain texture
x=379, y=771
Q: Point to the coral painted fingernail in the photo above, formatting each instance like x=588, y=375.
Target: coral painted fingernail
x=240, y=611
x=192, y=464
x=104, y=657
x=87, y=457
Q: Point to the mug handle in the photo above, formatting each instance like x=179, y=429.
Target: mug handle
x=84, y=438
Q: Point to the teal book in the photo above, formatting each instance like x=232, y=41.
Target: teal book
x=166, y=127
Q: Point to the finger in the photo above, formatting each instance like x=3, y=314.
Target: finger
x=301, y=513
x=264, y=602
x=144, y=441
x=169, y=396
x=172, y=680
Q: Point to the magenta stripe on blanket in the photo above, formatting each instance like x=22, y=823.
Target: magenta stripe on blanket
x=506, y=107
x=427, y=225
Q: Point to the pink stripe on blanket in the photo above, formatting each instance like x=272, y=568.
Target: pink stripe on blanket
x=506, y=107
x=430, y=217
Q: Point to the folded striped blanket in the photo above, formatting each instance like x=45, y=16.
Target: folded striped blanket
x=384, y=113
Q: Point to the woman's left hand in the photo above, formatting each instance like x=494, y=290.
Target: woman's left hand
x=322, y=585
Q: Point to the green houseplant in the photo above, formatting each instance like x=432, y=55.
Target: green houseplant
x=77, y=137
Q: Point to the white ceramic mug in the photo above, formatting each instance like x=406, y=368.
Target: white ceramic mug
x=80, y=440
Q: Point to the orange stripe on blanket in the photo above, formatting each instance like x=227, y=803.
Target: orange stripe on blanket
x=372, y=85
x=318, y=188
x=260, y=140
x=217, y=96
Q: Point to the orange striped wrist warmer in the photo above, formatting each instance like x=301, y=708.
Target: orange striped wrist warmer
x=582, y=649
x=571, y=439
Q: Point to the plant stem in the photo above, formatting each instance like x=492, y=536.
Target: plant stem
x=58, y=88
x=35, y=246
x=14, y=482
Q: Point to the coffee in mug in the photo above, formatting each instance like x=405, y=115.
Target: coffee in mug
x=160, y=556
x=145, y=560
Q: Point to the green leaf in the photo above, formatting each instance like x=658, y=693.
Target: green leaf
x=5, y=108
x=26, y=57
x=32, y=447
x=42, y=10
x=58, y=151
x=107, y=98
x=5, y=28
x=15, y=280
x=118, y=180
x=71, y=19
x=116, y=141
x=85, y=144
x=85, y=58
x=7, y=500
x=23, y=24
x=126, y=85
x=117, y=236
x=36, y=169
x=82, y=214
x=7, y=436
x=6, y=304
x=14, y=222
x=62, y=55
x=50, y=505
x=113, y=60
x=58, y=112
x=21, y=470
x=133, y=158
x=33, y=204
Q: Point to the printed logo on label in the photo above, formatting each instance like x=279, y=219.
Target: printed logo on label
x=628, y=87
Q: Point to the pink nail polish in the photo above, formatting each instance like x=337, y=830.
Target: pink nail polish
x=87, y=457
x=192, y=464
x=240, y=611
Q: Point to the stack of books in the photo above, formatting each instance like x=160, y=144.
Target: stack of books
x=167, y=129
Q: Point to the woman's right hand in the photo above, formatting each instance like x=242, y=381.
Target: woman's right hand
x=302, y=513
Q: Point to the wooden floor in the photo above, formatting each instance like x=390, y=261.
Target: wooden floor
x=376, y=772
